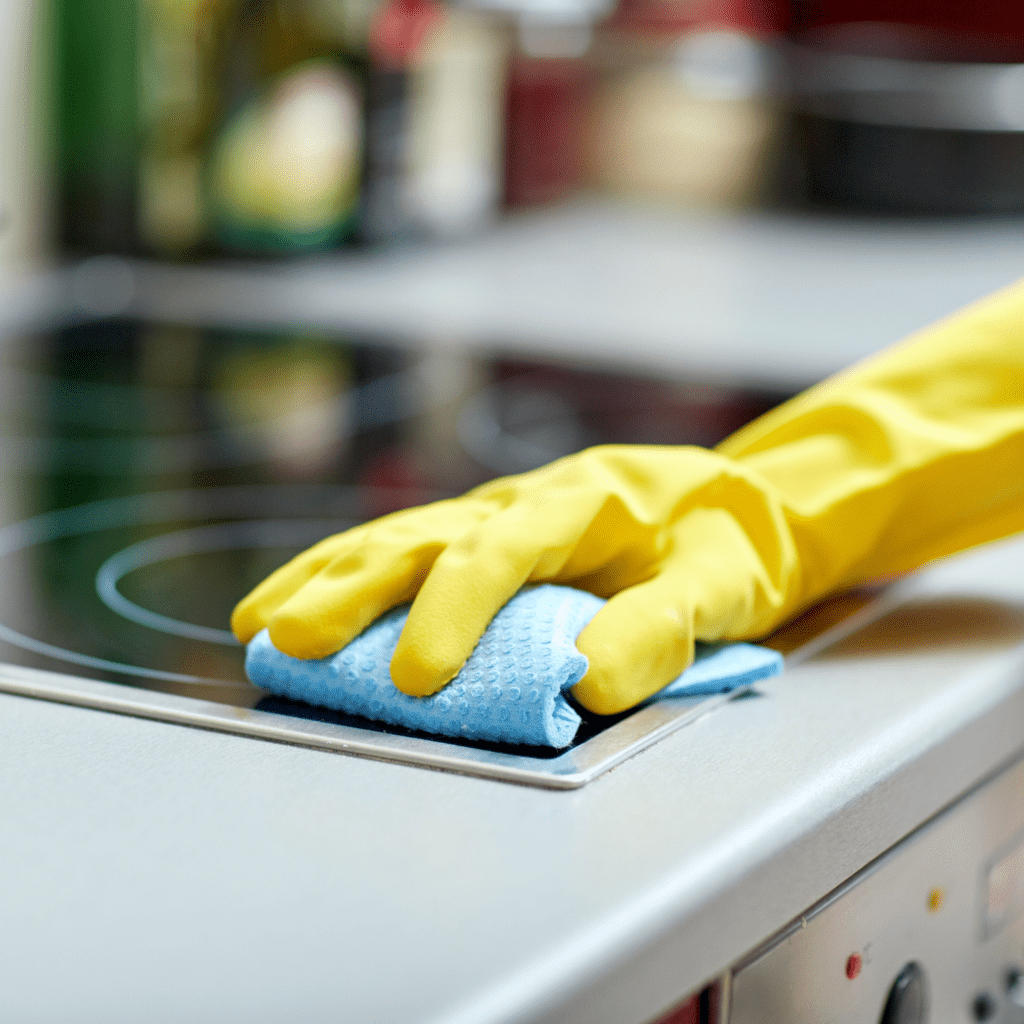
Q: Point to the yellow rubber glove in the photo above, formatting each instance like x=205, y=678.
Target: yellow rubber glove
x=914, y=454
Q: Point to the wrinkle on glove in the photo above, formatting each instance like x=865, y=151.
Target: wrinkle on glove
x=512, y=688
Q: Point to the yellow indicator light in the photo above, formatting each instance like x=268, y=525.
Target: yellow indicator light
x=935, y=900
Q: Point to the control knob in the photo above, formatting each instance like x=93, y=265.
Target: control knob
x=908, y=998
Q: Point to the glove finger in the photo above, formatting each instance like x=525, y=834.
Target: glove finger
x=713, y=584
x=255, y=610
x=551, y=536
x=386, y=568
x=338, y=603
x=466, y=586
x=404, y=531
x=636, y=644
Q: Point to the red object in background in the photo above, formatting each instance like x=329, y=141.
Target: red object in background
x=398, y=31
x=998, y=19
x=546, y=104
x=924, y=29
x=673, y=17
x=853, y=965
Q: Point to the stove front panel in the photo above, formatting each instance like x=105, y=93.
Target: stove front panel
x=933, y=931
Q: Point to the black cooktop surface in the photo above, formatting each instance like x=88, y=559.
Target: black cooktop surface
x=151, y=474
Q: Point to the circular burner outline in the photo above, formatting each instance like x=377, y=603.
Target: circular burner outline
x=201, y=540
x=157, y=507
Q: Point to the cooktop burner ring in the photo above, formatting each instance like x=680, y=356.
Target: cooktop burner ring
x=162, y=506
x=199, y=540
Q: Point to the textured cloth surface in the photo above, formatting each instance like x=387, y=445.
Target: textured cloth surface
x=511, y=690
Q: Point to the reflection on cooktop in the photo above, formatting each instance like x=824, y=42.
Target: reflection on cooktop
x=150, y=475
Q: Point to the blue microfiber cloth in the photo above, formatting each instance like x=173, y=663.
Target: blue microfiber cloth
x=511, y=690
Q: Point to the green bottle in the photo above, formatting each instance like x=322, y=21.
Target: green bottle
x=96, y=128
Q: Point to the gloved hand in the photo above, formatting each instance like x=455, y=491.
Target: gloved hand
x=686, y=540
x=914, y=454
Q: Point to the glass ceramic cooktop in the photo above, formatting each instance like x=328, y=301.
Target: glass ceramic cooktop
x=151, y=474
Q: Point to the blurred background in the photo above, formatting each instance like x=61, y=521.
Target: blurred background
x=722, y=200
x=190, y=129
x=315, y=260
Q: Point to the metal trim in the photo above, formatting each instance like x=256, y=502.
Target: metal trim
x=575, y=768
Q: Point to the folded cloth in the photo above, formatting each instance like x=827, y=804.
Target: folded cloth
x=512, y=688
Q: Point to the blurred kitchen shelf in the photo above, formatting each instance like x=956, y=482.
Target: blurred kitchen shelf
x=764, y=299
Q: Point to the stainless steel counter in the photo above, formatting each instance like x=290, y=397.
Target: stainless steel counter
x=161, y=873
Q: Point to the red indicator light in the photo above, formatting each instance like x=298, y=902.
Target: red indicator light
x=853, y=965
